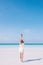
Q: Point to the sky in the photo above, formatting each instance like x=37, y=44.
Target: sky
x=21, y=16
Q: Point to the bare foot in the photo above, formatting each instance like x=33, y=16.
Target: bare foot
x=21, y=60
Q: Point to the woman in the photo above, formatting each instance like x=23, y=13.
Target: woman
x=21, y=47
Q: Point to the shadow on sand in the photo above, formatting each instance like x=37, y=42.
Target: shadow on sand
x=38, y=59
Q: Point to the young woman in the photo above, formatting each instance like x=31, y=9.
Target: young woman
x=21, y=47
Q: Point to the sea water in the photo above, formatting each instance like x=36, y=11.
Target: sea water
x=17, y=44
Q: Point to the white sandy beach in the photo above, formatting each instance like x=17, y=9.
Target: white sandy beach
x=33, y=55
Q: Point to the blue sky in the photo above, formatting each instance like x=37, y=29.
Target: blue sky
x=21, y=16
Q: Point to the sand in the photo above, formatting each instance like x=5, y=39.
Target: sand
x=33, y=55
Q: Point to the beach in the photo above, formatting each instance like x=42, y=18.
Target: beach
x=33, y=55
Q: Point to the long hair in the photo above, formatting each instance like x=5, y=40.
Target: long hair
x=21, y=41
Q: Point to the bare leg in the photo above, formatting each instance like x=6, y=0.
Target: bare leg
x=21, y=56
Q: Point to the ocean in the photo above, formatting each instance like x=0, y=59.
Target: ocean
x=17, y=44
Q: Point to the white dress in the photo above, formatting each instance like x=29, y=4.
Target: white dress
x=21, y=47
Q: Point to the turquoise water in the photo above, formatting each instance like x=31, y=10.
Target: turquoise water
x=17, y=44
